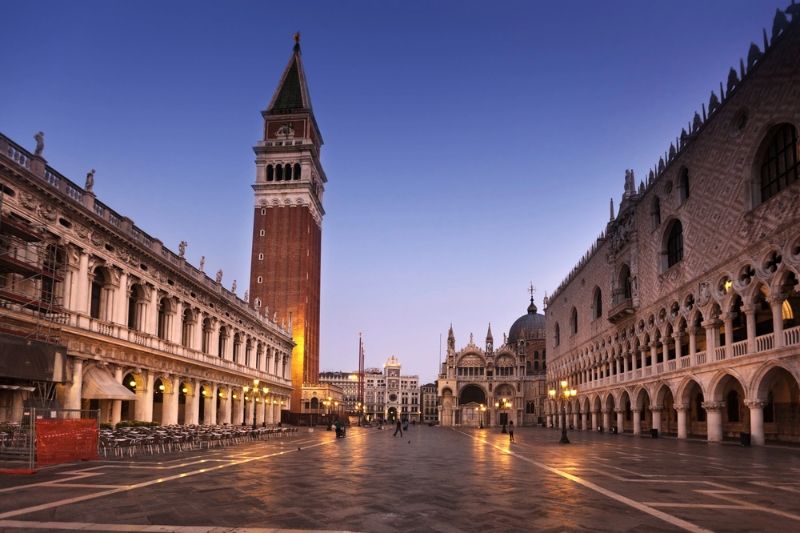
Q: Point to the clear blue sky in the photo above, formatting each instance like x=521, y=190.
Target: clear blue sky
x=471, y=147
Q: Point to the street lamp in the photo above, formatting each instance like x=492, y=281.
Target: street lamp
x=566, y=394
x=327, y=404
x=503, y=405
x=483, y=410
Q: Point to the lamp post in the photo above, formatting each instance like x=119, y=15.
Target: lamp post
x=255, y=391
x=503, y=405
x=566, y=393
x=327, y=404
x=482, y=411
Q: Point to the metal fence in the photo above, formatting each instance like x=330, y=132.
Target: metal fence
x=48, y=437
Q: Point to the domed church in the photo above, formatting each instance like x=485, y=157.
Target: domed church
x=482, y=387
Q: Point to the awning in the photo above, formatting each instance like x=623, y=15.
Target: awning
x=98, y=384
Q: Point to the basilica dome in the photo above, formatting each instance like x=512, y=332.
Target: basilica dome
x=527, y=327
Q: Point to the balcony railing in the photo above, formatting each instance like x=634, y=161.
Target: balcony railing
x=738, y=349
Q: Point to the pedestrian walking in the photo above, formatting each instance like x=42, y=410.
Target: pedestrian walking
x=398, y=427
x=511, y=431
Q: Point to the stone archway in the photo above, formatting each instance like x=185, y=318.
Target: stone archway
x=778, y=395
x=472, y=406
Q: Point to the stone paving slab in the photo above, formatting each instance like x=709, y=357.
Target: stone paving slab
x=432, y=479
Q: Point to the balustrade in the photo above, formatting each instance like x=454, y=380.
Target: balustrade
x=672, y=365
x=791, y=336
x=719, y=353
x=686, y=361
x=765, y=342
x=740, y=348
x=700, y=358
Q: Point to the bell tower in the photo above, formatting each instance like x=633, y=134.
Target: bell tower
x=287, y=222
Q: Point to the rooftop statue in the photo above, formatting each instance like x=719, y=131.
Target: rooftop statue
x=89, y=181
x=39, y=144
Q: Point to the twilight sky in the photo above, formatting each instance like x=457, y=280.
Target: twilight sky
x=471, y=147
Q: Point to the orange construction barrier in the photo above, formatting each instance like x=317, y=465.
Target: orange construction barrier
x=66, y=440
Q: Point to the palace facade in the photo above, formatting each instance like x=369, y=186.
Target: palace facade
x=97, y=314
x=684, y=316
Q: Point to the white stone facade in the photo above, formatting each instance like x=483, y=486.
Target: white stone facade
x=130, y=308
x=685, y=315
x=388, y=394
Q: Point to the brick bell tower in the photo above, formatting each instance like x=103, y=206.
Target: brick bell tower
x=287, y=223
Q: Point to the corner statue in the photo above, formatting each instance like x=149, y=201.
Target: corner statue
x=39, y=137
x=89, y=181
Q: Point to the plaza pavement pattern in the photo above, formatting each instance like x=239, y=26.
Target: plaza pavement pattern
x=432, y=479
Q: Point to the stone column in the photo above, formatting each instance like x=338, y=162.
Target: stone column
x=121, y=301
x=192, y=408
x=82, y=296
x=775, y=304
x=239, y=416
x=692, y=332
x=143, y=394
x=211, y=412
x=711, y=337
x=594, y=420
x=728, y=321
x=72, y=392
x=756, y=421
x=116, y=405
x=575, y=423
x=620, y=420
x=750, y=319
x=176, y=318
x=213, y=344
x=653, y=354
x=637, y=422
x=606, y=420
x=656, y=410
x=584, y=421
x=549, y=420
x=625, y=362
x=676, y=338
x=169, y=407
x=150, y=323
x=714, y=420
x=259, y=411
x=683, y=422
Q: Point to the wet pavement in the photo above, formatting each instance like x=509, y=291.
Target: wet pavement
x=431, y=479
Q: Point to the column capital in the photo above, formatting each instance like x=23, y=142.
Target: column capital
x=713, y=406
x=656, y=408
x=680, y=407
x=755, y=404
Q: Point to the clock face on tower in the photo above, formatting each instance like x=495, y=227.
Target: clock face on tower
x=393, y=397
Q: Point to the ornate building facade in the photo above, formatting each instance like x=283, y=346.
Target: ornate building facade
x=388, y=394
x=287, y=221
x=685, y=315
x=483, y=386
x=430, y=403
x=95, y=313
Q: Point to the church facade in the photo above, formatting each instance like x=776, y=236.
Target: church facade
x=684, y=316
x=287, y=220
x=484, y=386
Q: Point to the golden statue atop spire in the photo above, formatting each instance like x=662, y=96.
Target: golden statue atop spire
x=296, y=38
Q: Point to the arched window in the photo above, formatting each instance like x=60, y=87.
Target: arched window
x=296, y=172
x=278, y=172
x=99, y=305
x=779, y=162
x=597, y=307
x=655, y=212
x=270, y=173
x=206, y=341
x=557, y=336
x=163, y=318
x=223, y=340
x=288, y=172
x=674, y=244
x=136, y=304
x=573, y=321
x=186, y=328
x=237, y=347
x=683, y=185
x=625, y=284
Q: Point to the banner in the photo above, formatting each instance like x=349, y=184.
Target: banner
x=66, y=440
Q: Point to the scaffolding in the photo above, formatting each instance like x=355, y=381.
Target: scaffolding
x=32, y=273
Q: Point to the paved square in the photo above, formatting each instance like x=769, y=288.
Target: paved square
x=433, y=479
